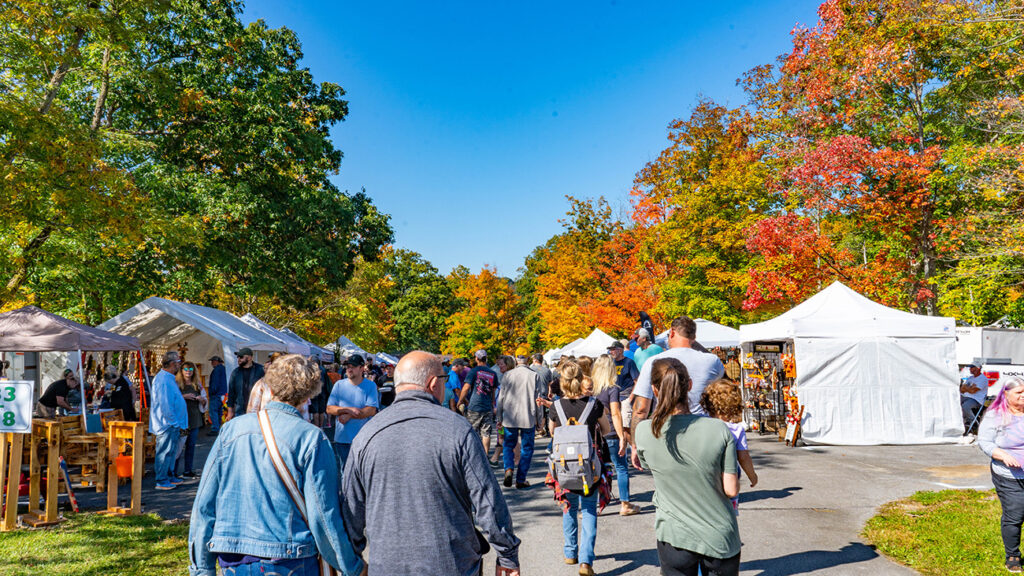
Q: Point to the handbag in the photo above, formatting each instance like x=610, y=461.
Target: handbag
x=289, y=483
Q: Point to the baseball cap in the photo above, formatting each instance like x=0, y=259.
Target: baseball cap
x=215, y=358
x=354, y=360
x=480, y=354
x=244, y=352
x=616, y=344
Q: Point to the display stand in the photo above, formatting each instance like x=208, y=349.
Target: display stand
x=124, y=438
x=768, y=386
x=11, y=447
x=49, y=433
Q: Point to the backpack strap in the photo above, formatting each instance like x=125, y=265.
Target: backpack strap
x=561, y=413
x=586, y=411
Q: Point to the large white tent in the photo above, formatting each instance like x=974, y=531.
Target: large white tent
x=325, y=354
x=348, y=348
x=709, y=334
x=162, y=324
x=595, y=344
x=867, y=374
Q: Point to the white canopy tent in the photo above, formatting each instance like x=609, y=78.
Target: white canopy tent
x=559, y=352
x=709, y=334
x=867, y=374
x=387, y=358
x=348, y=348
x=162, y=324
x=595, y=344
x=325, y=354
x=551, y=355
x=289, y=344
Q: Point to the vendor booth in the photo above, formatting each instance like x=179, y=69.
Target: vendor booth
x=196, y=331
x=861, y=373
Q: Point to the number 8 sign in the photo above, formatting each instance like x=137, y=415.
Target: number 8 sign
x=15, y=406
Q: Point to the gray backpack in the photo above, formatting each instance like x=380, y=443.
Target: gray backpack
x=574, y=461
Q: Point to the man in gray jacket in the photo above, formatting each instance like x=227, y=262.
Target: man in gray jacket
x=516, y=411
x=424, y=497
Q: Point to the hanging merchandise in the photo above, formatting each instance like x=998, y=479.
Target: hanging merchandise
x=767, y=380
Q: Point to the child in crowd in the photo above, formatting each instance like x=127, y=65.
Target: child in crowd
x=723, y=400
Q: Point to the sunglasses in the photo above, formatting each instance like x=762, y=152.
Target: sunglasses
x=189, y=369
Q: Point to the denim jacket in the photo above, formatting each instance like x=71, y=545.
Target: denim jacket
x=243, y=507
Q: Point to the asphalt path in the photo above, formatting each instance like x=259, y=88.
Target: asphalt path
x=805, y=515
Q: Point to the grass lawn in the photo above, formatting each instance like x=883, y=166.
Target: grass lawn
x=95, y=545
x=948, y=533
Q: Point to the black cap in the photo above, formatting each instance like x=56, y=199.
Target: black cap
x=244, y=352
x=215, y=357
x=616, y=344
x=354, y=360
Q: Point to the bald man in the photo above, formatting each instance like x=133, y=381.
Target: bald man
x=418, y=510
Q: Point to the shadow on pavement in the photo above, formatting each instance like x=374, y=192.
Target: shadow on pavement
x=755, y=495
x=810, y=561
x=634, y=561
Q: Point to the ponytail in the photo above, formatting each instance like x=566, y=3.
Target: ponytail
x=670, y=378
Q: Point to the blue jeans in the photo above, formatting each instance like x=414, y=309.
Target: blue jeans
x=188, y=456
x=341, y=452
x=508, y=453
x=216, y=412
x=294, y=567
x=587, y=507
x=621, y=467
x=166, y=454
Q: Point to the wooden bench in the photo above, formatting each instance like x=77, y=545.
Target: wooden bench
x=85, y=450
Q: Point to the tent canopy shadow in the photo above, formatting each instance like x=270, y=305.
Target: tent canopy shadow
x=810, y=561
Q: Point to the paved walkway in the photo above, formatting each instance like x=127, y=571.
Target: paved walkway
x=804, y=517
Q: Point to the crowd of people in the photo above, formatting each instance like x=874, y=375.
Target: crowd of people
x=408, y=457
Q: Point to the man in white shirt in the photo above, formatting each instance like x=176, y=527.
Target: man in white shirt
x=704, y=368
x=973, y=391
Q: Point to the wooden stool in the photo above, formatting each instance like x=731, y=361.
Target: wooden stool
x=46, y=432
x=125, y=437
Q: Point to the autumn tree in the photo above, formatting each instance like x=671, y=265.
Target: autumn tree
x=488, y=314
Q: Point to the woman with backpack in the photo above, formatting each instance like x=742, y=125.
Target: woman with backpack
x=693, y=461
x=579, y=483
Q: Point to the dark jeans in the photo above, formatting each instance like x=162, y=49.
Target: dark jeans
x=188, y=456
x=525, y=455
x=678, y=562
x=216, y=412
x=1011, y=497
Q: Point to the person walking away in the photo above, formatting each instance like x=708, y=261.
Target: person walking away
x=392, y=494
x=244, y=517
x=353, y=402
x=168, y=421
x=693, y=461
x=645, y=348
x=626, y=373
x=241, y=382
x=122, y=394
x=218, y=386
x=580, y=535
x=1001, y=438
x=607, y=392
x=478, y=398
x=456, y=378
x=191, y=391
x=517, y=416
x=544, y=372
x=703, y=368
x=724, y=401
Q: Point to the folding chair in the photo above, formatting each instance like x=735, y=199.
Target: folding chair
x=972, y=427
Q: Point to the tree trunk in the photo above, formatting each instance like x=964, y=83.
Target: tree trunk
x=58, y=75
x=22, y=268
x=101, y=98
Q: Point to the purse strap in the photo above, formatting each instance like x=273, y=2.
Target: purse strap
x=288, y=480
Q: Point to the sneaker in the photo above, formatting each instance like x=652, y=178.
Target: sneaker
x=628, y=509
x=164, y=486
x=175, y=480
x=190, y=474
x=1013, y=564
x=508, y=478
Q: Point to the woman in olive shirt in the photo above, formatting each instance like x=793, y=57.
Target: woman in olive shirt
x=693, y=460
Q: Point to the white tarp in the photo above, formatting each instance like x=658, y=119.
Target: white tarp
x=288, y=344
x=161, y=324
x=387, y=358
x=594, y=345
x=551, y=355
x=868, y=374
x=348, y=348
x=709, y=334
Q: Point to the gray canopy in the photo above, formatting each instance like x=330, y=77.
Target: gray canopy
x=32, y=329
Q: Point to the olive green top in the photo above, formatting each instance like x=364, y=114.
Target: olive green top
x=693, y=512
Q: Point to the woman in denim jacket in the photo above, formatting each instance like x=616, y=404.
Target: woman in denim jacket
x=243, y=517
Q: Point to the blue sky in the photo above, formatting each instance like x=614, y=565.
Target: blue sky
x=469, y=122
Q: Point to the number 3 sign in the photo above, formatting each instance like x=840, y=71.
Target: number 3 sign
x=16, y=406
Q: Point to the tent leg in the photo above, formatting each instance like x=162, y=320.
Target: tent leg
x=81, y=387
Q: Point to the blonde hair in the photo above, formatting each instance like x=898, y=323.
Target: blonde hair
x=180, y=377
x=603, y=373
x=571, y=379
x=293, y=379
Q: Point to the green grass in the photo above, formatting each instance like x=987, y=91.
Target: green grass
x=948, y=533
x=95, y=545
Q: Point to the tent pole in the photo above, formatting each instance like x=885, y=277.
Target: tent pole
x=81, y=387
x=145, y=379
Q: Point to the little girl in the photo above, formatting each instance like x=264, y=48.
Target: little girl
x=723, y=400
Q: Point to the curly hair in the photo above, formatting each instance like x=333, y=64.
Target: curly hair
x=722, y=399
x=293, y=379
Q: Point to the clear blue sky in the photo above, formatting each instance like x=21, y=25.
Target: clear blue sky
x=469, y=122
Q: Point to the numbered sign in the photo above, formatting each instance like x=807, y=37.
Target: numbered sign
x=16, y=406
